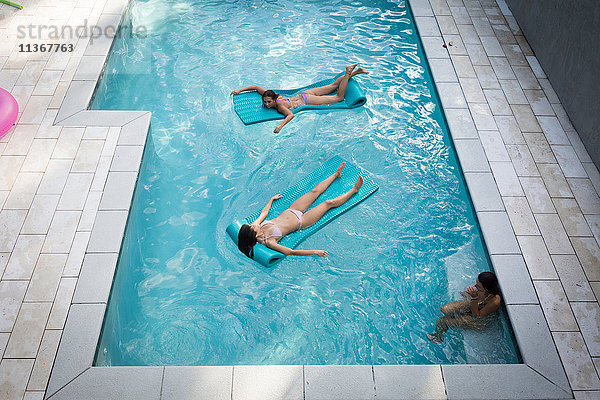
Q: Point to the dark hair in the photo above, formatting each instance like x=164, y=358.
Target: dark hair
x=246, y=240
x=489, y=282
x=270, y=93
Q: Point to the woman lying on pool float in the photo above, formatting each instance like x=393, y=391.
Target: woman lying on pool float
x=269, y=232
x=317, y=96
x=476, y=310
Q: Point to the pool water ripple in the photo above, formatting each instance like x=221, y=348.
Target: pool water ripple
x=183, y=293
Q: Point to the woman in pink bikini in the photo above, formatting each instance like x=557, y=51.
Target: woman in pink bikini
x=269, y=232
x=317, y=96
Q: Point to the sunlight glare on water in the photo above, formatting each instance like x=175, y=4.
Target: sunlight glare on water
x=184, y=294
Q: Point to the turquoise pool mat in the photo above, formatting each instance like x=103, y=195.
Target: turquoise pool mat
x=350, y=173
x=249, y=107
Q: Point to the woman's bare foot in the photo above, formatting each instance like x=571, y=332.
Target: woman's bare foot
x=338, y=173
x=360, y=70
x=358, y=184
x=350, y=68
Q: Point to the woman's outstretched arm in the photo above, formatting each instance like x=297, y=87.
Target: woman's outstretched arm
x=290, y=252
x=265, y=210
x=289, y=115
x=259, y=89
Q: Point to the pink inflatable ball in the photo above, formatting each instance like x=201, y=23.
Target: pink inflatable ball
x=9, y=110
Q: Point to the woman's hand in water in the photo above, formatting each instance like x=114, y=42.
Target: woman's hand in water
x=277, y=129
x=237, y=91
x=276, y=197
x=321, y=253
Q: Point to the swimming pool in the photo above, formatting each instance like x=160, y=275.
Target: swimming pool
x=184, y=295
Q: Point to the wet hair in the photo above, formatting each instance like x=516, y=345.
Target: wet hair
x=271, y=94
x=489, y=282
x=246, y=240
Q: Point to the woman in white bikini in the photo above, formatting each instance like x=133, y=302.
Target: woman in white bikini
x=269, y=232
x=474, y=312
x=316, y=96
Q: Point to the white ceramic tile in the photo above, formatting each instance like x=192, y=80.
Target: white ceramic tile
x=586, y=195
x=89, y=211
x=96, y=132
x=75, y=192
x=468, y=34
x=588, y=252
x=95, y=278
x=555, y=306
x=554, y=234
x=526, y=77
x=514, y=279
x=537, y=195
x=20, y=140
x=23, y=190
x=520, y=216
x=487, y=77
x=455, y=45
x=13, y=377
x=539, y=103
x=502, y=68
x=549, y=91
x=40, y=214
x=44, y=360
x=11, y=296
x=460, y=14
x=88, y=156
x=493, y=146
x=509, y=129
x=46, y=278
x=553, y=130
x=477, y=54
x=525, y=118
x=61, y=304
x=480, y=22
x=593, y=221
x=209, y=383
x=463, y=67
x=506, y=179
x=107, y=233
x=588, y=318
x=127, y=158
x=338, y=381
x=61, y=232
x=451, y=95
x=571, y=217
x=472, y=91
x=471, y=155
x=442, y=70
x=498, y=233
x=576, y=360
x=47, y=83
x=522, y=160
x=555, y=181
x=573, y=278
x=34, y=110
x=484, y=192
x=9, y=165
x=497, y=102
x=28, y=330
x=536, y=257
x=68, y=142
x=24, y=257
x=273, y=381
x=513, y=92
x=39, y=155
x=514, y=54
x=409, y=382
x=11, y=222
x=427, y=26
x=492, y=46
x=461, y=124
x=482, y=116
x=536, y=67
x=539, y=148
x=579, y=147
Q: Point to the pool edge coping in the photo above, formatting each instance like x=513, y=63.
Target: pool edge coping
x=82, y=330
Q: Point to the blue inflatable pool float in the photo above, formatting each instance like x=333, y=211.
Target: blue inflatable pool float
x=269, y=257
x=249, y=106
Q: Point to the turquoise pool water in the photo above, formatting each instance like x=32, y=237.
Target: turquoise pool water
x=184, y=295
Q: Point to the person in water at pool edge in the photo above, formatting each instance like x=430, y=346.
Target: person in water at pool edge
x=316, y=96
x=269, y=232
x=475, y=311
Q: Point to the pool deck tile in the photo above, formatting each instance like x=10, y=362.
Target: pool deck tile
x=95, y=279
x=409, y=382
x=479, y=382
x=268, y=382
x=516, y=285
x=505, y=108
x=349, y=382
x=201, y=383
x=114, y=383
x=535, y=341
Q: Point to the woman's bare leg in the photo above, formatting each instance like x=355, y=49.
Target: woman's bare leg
x=306, y=200
x=335, y=98
x=314, y=214
x=332, y=87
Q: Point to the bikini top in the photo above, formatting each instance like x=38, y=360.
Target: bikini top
x=276, y=231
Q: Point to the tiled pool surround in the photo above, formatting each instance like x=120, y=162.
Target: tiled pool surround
x=479, y=131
